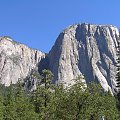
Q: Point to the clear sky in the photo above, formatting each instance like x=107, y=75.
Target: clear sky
x=37, y=23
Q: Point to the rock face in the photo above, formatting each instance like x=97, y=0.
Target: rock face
x=16, y=60
x=86, y=49
x=82, y=49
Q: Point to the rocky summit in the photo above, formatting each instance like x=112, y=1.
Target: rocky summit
x=86, y=49
x=16, y=60
x=83, y=49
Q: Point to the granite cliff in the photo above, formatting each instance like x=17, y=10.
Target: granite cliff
x=82, y=49
x=16, y=60
x=86, y=49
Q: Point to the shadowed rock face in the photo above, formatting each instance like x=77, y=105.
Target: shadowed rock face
x=85, y=49
x=82, y=49
x=16, y=60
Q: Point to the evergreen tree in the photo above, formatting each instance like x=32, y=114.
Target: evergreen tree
x=1, y=102
x=55, y=102
x=23, y=107
x=100, y=104
x=42, y=95
x=60, y=103
x=9, y=104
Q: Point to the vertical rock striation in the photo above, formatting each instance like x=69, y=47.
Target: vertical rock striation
x=16, y=60
x=85, y=49
x=81, y=49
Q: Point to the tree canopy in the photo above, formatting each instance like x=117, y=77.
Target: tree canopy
x=55, y=102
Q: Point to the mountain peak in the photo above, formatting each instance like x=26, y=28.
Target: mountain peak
x=86, y=49
x=16, y=60
x=81, y=49
x=6, y=38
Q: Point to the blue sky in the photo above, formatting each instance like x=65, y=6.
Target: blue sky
x=37, y=23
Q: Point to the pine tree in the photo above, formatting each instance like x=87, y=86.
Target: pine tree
x=100, y=103
x=23, y=107
x=9, y=104
x=43, y=94
x=1, y=101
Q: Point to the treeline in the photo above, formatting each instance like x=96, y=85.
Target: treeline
x=54, y=102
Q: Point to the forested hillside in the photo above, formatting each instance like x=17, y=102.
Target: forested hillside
x=54, y=102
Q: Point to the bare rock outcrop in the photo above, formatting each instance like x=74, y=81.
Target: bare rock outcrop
x=82, y=49
x=16, y=60
x=86, y=49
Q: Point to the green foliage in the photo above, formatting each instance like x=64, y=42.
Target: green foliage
x=101, y=103
x=42, y=96
x=54, y=102
x=9, y=104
